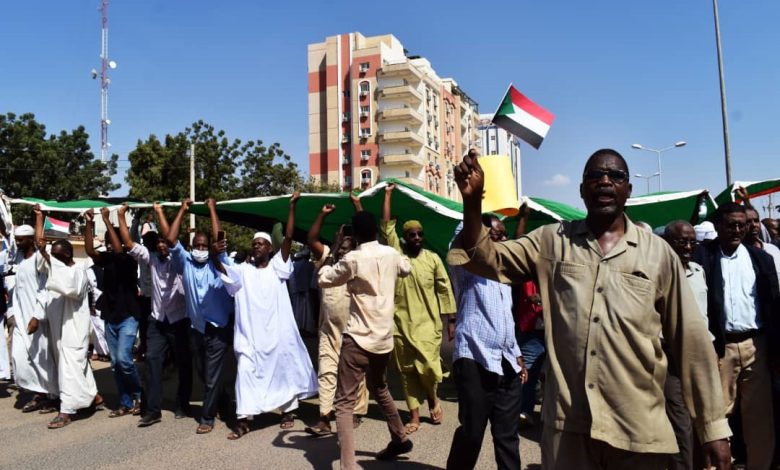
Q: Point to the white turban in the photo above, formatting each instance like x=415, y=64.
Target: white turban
x=705, y=231
x=264, y=235
x=24, y=231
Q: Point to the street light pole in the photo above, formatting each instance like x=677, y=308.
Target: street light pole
x=648, y=178
x=658, y=152
x=723, y=112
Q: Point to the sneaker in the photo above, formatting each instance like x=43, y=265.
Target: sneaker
x=149, y=419
x=526, y=420
x=394, y=449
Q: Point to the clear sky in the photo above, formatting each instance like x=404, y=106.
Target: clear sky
x=613, y=72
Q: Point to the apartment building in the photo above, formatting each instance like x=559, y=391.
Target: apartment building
x=376, y=112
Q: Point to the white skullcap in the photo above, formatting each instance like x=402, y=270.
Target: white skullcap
x=705, y=231
x=264, y=235
x=24, y=231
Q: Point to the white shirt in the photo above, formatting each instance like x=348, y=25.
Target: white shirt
x=739, y=291
x=695, y=274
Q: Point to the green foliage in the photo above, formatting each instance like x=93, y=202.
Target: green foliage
x=224, y=169
x=62, y=167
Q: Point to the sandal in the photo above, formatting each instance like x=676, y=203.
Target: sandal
x=204, y=428
x=32, y=405
x=437, y=414
x=288, y=421
x=411, y=428
x=121, y=411
x=60, y=421
x=97, y=403
x=242, y=428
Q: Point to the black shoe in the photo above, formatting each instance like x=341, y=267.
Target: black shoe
x=394, y=449
x=148, y=420
x=181, y=413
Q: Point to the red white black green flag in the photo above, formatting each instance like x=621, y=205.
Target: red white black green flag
x=523, y=118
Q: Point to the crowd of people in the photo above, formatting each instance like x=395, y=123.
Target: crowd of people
x=655, y=347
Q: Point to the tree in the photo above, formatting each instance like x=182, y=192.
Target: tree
x=59, y=167
x=224, y=169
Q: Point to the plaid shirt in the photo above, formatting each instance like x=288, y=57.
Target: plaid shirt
x=485, y=329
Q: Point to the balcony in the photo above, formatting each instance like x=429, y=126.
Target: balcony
x=402, y=70
x=405, y=114
x=402, y=137
x=403, y=159
x=405, y=92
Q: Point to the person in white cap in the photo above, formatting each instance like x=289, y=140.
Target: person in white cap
x=274, y=368
x=67, y=315
x=33, y=361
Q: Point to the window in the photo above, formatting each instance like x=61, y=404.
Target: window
x=348, y=180
x=365, y=177
x=365, y=111
x=346, y=93
x=345, y=138
x=365, y=131
x=407, y=174
x=345, y=116
x=365, y=155
x=492, y=137
x=365, y=88
x=364, y=67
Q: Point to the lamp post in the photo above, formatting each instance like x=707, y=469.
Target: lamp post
x=648, y=178
x=658, y=152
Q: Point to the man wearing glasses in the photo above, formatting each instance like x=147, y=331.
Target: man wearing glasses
x=742, y=305
x=609, y=290
x=423, y=302
x=681, y=236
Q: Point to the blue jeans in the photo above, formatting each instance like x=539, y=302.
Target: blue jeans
x=120, y=338
x=532, y=346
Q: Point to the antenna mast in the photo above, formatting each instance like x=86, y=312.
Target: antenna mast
x=104, y=80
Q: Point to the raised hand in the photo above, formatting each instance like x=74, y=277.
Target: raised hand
x=389, y=188
x=210, y=203
x=122, y=210
x=328, y=208
x=294, y=198
x=469, y=176
x=37, y=210
x=89, y=215
x=104, y=212
x=186, y=203
x=157, y=207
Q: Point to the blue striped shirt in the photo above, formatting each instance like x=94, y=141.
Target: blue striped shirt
x=485, y=328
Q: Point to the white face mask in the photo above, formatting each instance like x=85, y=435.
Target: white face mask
x=200, y=256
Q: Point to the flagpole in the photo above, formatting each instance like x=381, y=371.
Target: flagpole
x=500, y=102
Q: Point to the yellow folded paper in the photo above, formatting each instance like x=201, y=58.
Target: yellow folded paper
x=500, y=194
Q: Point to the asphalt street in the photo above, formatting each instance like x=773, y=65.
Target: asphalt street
x=96, y=441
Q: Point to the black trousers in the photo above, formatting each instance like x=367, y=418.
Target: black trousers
x=485, y=396
x=212, y=355
x=145, y=304
x=163, y=338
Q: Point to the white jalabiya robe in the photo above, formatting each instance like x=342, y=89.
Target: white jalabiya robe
x=5, y=360
x=67, y=312
x=33, y=358
x=274, y=368
x=98, y=335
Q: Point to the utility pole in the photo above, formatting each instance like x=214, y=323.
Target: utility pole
x=724, y=114
x=192, y=190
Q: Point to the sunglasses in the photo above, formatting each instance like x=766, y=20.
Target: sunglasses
x=616, y=176
x=413, y=234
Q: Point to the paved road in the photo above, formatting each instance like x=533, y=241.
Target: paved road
x=99, y=442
